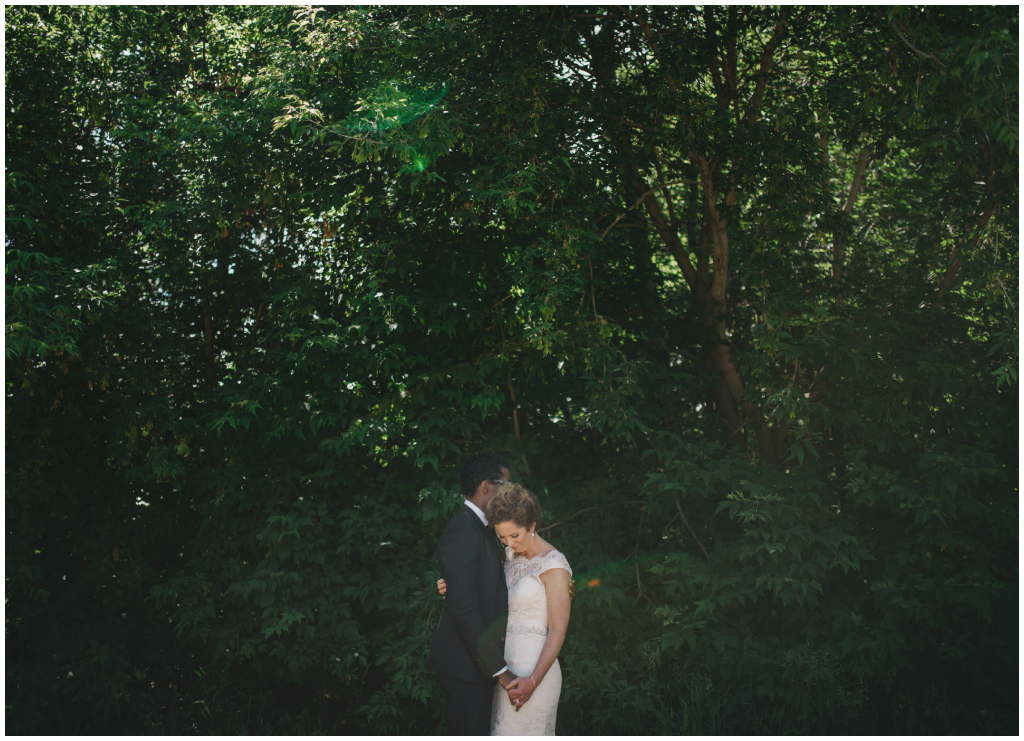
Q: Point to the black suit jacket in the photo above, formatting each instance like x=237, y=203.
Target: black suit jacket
x=469, y=641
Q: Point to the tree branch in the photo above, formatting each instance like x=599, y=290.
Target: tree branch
x=730, y=67
x=664, y=229
x=686, y=523
x=641, y=19
x=584, y=511
x=710, y=31
x=716, y=304
x=762, y=72
x=259, y=317
x=838, y=237
x=208, y=335
x=720, y=239
x=917, y=51
x=949, y=277
x=662, y=186
x=858, y=177
x=664, y=189
x=515, y=409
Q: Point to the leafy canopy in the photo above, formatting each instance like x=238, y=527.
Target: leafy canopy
x=734, y=288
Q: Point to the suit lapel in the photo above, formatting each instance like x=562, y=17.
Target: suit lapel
x=472, y=516
x=497, y=543
x=490, y=535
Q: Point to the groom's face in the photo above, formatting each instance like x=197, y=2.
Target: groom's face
x=506, y=477
x=490, y=487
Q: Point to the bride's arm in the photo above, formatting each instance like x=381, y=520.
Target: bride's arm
x=556, y=588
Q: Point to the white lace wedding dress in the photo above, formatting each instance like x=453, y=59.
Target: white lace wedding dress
x=527, y=631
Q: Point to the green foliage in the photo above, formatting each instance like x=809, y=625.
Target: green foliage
x=734, y=288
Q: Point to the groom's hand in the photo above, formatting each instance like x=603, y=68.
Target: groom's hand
x=520, y=690
x=508, y=680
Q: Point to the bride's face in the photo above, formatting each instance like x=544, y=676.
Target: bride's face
x=515, y=536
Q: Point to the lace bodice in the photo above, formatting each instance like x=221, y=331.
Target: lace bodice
x=516, y=567
x=527, y=600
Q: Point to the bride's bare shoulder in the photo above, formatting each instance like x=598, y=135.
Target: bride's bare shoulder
x=546, y=549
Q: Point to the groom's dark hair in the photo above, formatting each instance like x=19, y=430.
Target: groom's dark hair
x=480, y=467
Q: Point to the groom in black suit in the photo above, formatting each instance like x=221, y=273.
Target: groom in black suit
x=468, y=650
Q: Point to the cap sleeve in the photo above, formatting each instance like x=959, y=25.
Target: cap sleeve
x=555, y=560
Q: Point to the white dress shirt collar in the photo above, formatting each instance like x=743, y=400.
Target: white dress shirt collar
x=478, y=512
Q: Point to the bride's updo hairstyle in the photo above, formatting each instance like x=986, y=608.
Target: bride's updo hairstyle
x=513, y=503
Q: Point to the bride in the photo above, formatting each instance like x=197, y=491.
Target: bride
x=538, y=579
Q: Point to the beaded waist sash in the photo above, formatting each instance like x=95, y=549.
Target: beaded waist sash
x=523, y=630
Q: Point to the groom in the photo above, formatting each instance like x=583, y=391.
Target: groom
x=468, y=650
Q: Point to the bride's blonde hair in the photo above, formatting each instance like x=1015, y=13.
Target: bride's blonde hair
x=513, y=503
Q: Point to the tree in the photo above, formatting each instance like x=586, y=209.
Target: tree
x=731, y=287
